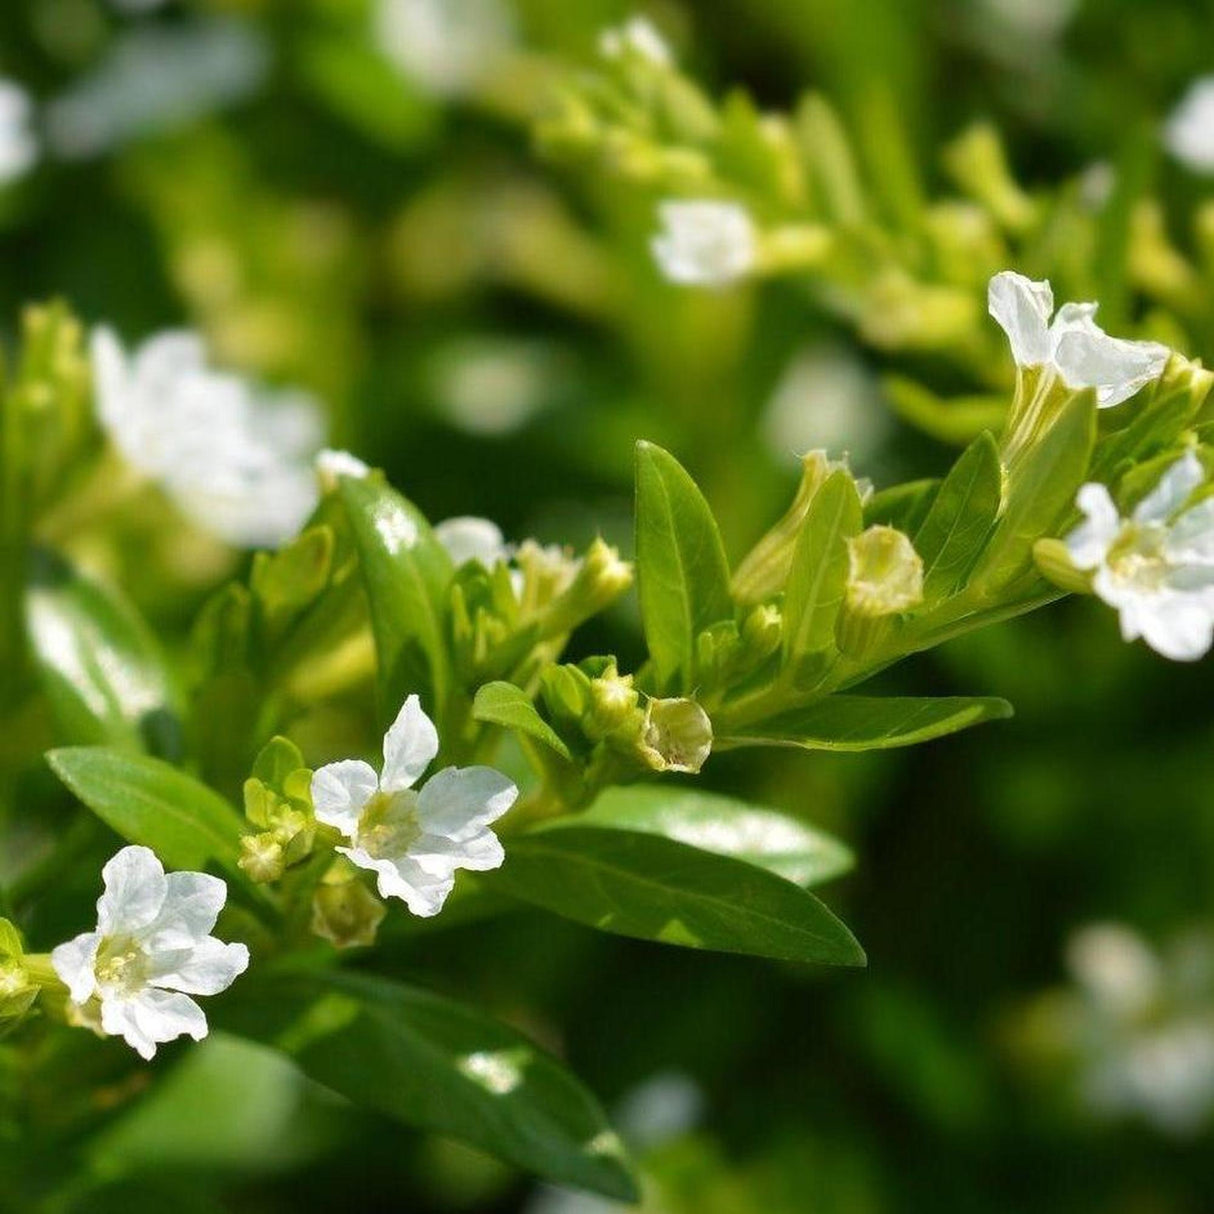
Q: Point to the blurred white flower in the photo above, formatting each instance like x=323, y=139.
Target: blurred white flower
x=1189, y=131
x=151, y=951
x=638, y=36
x=235, y=461
x=157, y=78
x=704, y=243
x=473, y=539
x=1036, y=20
x=1096, y=184
x=331, y=465
x=1072, y=344
x=414, y=840
x=446, y=47
x=1157, y=567
x=18, y=147
x=1116, y=967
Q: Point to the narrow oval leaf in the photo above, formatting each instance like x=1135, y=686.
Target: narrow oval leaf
x=855, y=723
x=103, y=674
x=639, y=884
x=960, y=520
x=406, y=573
x=149, y=802
x=440, y=1066
x=764, y=837
x=682, y=573
x=508, y=706
x=901, y=506
x=818, y=578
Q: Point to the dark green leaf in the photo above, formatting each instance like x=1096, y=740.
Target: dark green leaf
x=782, y=844
x=854, y=723
x=441, y=1066
x=506, y=705
x=902, y=506
x=643, y=885
x=683, y=576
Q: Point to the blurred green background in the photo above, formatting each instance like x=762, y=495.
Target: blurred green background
x=489, y=329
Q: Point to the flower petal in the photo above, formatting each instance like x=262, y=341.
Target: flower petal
x=409, y=747
x=472, y=539
x=423, y=893
x=705, y=242
x=135, y=888
x=1090, y=541
x=459, y=802
x=1180, y=626
x=1172, y=491
x=1191, y=538
x=1087, y=357
x=151, y=1018
x=441, y=856
x=192, y=903
x=1022, y=309
x=340, y=791
x=206, y=969
x=73, y=962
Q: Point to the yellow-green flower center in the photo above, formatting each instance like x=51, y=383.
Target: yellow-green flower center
x=1138, y=557
x=389, y=825
x=121, y=965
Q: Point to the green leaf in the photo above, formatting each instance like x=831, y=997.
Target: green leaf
x=10, y=941
x=146, y=801
x=957, y=420
x=640, y=884
x=103, y=673
x=855, y=723
x=901, y=506
x=683, y=576
x=960, y=520
x=406, y=573
x=441, y=1066
x=508, y=706
x=278, y=759
x=782, y=844
x=818, y=577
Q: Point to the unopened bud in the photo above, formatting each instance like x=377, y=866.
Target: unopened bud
x=346, y=913
x=885, y=573
x=261, y=857
x=977, y=163
x=762, y=631
x=676, y=735
x=1054, y=560
x=17, y=991
x=613, y=701
x=601, y=578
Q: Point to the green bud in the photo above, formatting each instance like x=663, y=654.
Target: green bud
x=762, y=631
x=793, y=248
x=613, y=704
x=676, y=735
x=601, y=578
x=976, y=162
x=1054, y=561
x=17, y=991
x=284, y=583
x=899, y=313
x=885, y=573
x=261, y=857
x=345, y=912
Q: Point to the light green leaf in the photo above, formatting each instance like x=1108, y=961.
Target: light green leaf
x=146, y=801
x=640, y=884
x=406, y=573
x=682, y=573
x=103, y=673
x=441, y=1066
x=901, y=506
x=960, y=519
x=818, y=578
x=855, y=723
x=782, y=844
x=508, y=706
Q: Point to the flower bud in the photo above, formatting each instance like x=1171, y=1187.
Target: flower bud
x=613, y=703
x=261, y=857
x=885, y=573
x=676, y=735
x=1053, y=559
x=346, y=913
x=977, y=163
x=601, y=578
x=762, y=631
x=17, y=991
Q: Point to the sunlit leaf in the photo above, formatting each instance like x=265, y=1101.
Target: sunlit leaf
x=508, y=706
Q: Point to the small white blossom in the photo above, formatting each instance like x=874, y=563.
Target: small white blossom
x=1156, y=567
x=235, y=461
x=414, y=839
x=18, y=147
x=705, y=243
x=1189, y=132
x=332, y=465
x=446, y=47
x=473, y=539
x=151, y=951
x=639, y=36
x=1072, y=344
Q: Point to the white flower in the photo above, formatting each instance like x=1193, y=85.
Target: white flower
x=332, y=465
x=18, y=147
x=1189, y=132
x=234, y=460
x=151, y=951
x=704, y=243
x=414, y=840
x=473, y=539
x=1072, y=344
x=446, y=47
x=639, y=36
x=1157, y=567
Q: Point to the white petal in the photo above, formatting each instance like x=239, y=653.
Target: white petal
x=340, y=791
x=1087, y=357
x=151, y=1018
x=135, y=889
x=110, y=374
x=206, y=969
x=1172, y=491
x=704, y=243
x=460, y=801
x=1189, y=134
x=192, y=903
x=472, y=539
x=1022, y=309
x=1090, y=541
x=423, y=893
x=1191, y=538
x=332, y=465
x=73, y=962
x=441, y=856
x=409, y=747
x=1180, y=627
